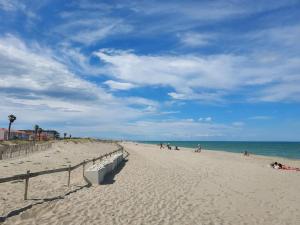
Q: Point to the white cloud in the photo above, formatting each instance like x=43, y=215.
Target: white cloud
x=238, y=124
x=119, y=85
x=260, y=117
x=207, y=78
x=206, y=119
x=89, y=29
x=185, y=129
x=11, y=5
x=174, y=16
x=38, y=88
x=193, y=39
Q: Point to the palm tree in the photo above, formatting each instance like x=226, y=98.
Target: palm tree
x=11, y=119
x=36, y=127
x=40, y=130
x=65, y=135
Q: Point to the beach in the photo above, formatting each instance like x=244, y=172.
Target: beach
x=156, y=186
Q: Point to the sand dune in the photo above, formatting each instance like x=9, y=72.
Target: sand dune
x=62, y=154
x=180, y=187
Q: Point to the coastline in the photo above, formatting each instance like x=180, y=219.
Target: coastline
x=175, y=187
x=229, y=151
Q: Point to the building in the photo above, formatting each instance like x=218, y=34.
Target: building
x=51, y=134
x=44, y=136
x=14, y=134
x=28, y=135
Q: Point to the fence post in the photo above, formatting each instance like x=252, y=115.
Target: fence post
x=26, y=184
x=69, y=177
x=83, y=167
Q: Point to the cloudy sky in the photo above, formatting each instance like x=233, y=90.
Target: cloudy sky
x=152, y=70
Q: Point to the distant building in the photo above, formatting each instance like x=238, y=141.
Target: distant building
x=28, y=134
x=3, y=134
x=45, y=135
x=51, y=134
x=14, y=134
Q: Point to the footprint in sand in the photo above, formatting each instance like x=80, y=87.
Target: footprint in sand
x=5, y=166
x=37, y=163
x=47, y=156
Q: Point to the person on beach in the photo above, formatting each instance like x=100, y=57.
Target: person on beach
x=161, y=145
x=198, y=149
x=169, y=146
x=277, y=166
x=246, y=153
x=176, y=148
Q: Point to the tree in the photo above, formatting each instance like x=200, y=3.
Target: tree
x=65, y=135
x=40, y=130
x=36, y=127
x=11, y=119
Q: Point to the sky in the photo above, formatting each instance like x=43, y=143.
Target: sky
x=152, y=70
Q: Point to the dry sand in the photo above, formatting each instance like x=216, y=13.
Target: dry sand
x=179, y=187
x=62, y=154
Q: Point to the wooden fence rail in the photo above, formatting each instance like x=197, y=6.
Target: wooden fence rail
x=26, y=176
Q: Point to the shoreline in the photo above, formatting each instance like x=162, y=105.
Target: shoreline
x=289, y=161
x=222, y=150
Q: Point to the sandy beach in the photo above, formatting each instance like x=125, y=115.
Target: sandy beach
x=156, y=187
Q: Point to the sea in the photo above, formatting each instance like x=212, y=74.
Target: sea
x=289, y=150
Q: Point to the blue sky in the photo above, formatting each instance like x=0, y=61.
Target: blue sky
x=152, y=70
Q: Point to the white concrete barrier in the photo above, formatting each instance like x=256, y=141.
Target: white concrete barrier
x=96, y=173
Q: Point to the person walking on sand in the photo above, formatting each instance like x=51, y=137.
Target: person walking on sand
x=161, y=145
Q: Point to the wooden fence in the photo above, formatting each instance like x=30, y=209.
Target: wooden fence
x=11, y=151
x=26, y=176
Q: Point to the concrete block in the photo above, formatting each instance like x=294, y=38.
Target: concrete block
x=96, y=173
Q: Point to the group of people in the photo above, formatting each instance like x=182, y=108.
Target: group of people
x=278, y=166
x=169, y=147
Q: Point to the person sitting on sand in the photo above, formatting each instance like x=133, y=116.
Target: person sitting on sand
x=176, y=148
x=161, y=145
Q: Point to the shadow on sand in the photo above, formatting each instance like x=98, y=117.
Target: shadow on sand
x=110, y=178
x=40, y=201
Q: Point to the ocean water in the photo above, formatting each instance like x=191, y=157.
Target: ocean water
x=280, y=149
